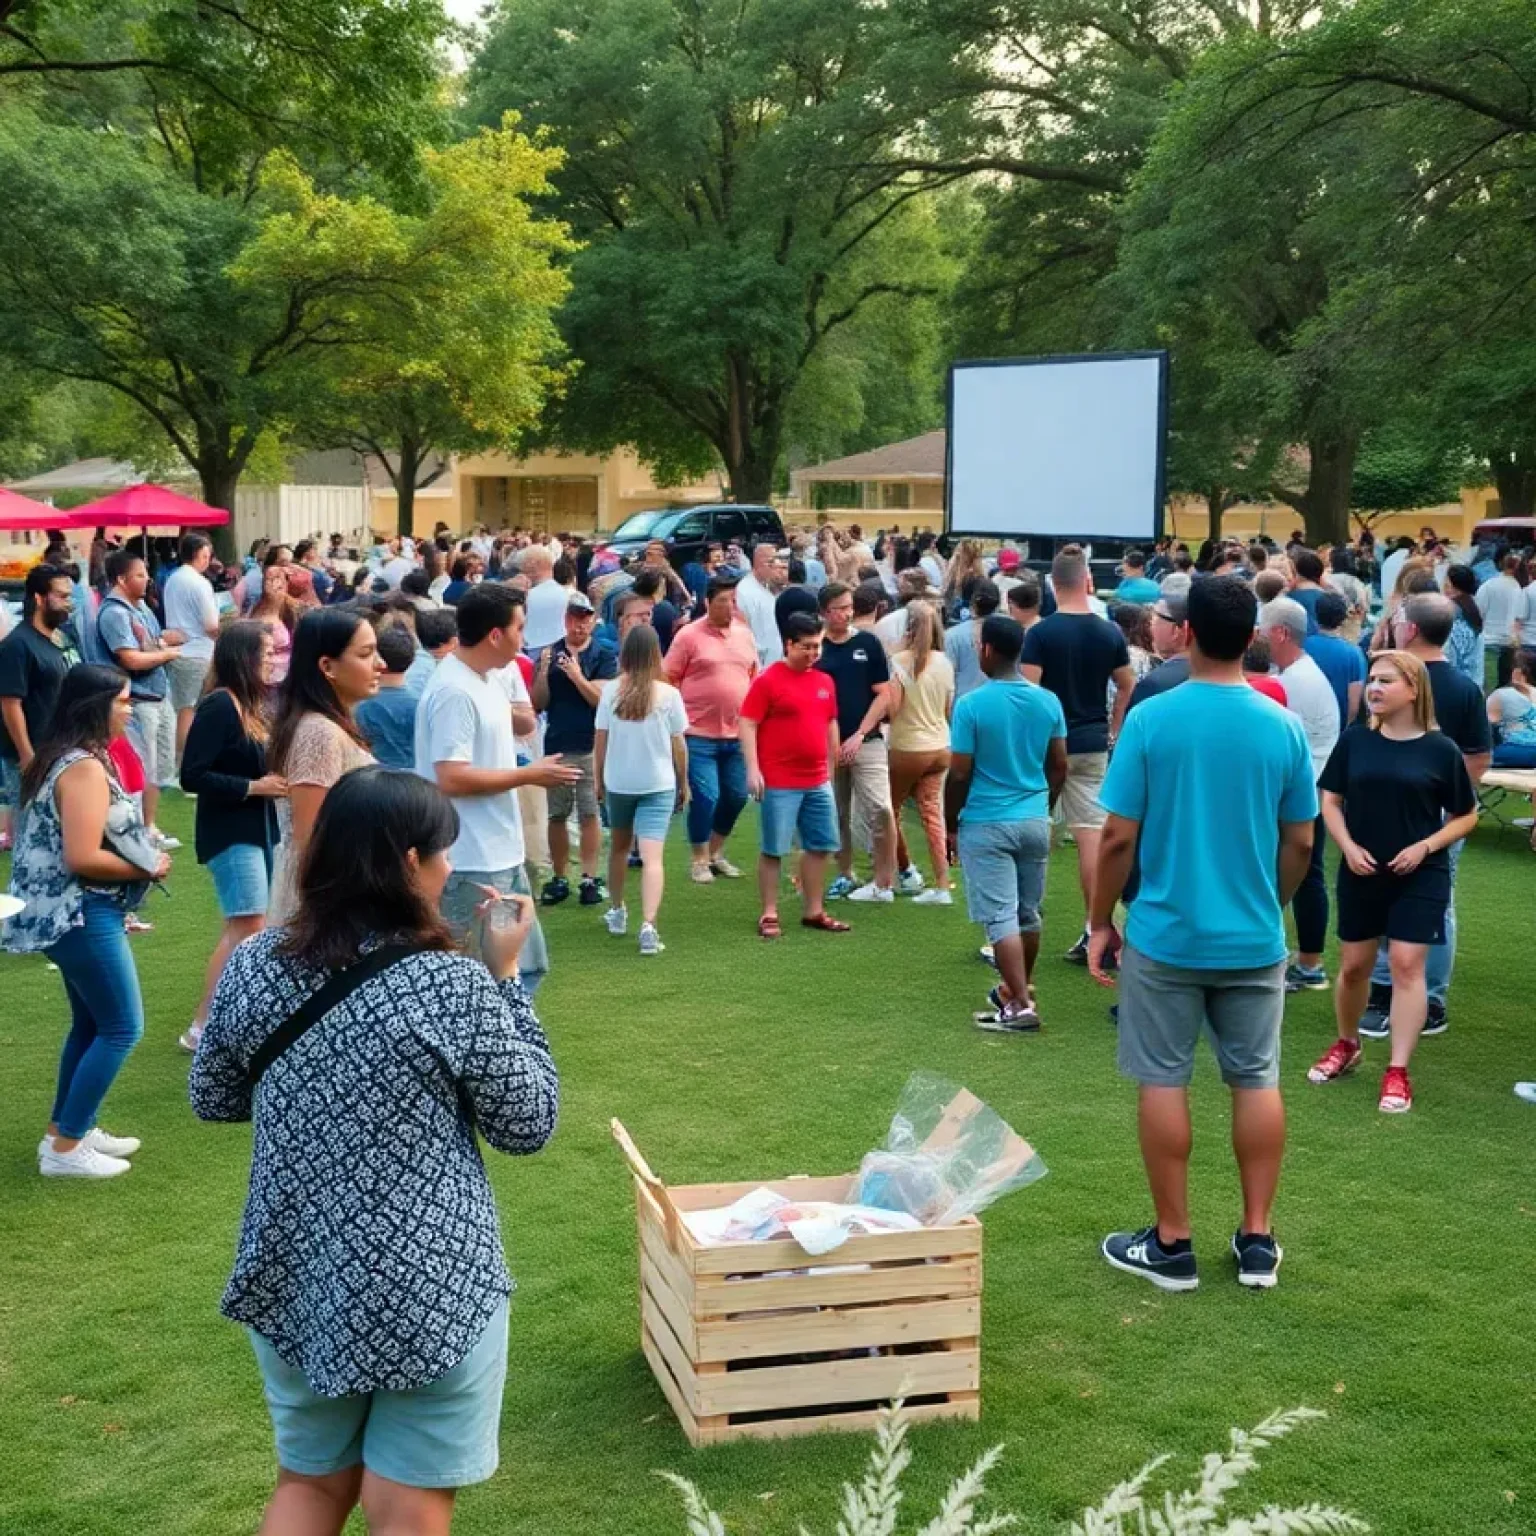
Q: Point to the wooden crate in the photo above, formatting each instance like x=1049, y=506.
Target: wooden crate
x=744, y=1342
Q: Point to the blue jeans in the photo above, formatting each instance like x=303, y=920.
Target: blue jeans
x=717, y=787
x=1441, y=958
x=107, y=1010
x=1514, y=754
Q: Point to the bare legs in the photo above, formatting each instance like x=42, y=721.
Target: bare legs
x=236, y=931
x=1087, y=840
x=1410, y=999
x=319, y=1506
x=591, y=846
x=1356, y=961
x=652, y=872
x=1258, y=1140
x=813, y=882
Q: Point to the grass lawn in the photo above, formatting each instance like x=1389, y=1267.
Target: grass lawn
x=1406, y=1308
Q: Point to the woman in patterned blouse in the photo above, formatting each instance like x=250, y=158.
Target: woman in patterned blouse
x=370, y=1270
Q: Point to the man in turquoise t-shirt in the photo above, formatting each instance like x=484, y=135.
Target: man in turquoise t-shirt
x=1216, y=783
x=1008, y=742
x=1135, y=585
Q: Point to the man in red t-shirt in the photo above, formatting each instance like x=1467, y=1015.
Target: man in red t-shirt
x=789, y=740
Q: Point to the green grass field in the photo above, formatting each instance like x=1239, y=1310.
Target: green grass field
x=1406, y=1308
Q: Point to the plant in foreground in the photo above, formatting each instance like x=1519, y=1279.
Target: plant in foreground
x=872, y=1508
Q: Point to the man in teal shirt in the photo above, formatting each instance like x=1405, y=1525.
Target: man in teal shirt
x=1135, y=585
x=1008, y=761
x=1217, y=786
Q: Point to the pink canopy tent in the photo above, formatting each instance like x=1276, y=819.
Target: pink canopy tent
x=19, y=514
x=147, y=506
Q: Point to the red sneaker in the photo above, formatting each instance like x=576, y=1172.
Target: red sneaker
x=1396, y=1092
x=1341, y=1058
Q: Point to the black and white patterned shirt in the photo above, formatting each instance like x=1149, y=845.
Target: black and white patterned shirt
x=370, y=1255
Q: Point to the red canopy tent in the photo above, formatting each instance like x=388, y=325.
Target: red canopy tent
x=147, y=506
x=19, y=514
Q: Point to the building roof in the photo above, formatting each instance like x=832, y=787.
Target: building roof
x=915, y=458
x=83, y=475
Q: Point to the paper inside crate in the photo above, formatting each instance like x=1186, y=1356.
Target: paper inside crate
x=819, y=1226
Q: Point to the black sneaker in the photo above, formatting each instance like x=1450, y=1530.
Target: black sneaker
x=555, y=891
x=1374, y=1022
x=1258, y=1258
x=1078, y=954
x=635, y=861
x=1435, y=1022
x=1140, y=1253
x=592, y=891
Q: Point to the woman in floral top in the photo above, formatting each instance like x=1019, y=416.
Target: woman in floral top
x=76, y=892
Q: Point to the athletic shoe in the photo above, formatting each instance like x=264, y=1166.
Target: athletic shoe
x=988, y=953
x=592, y=891
x=934, y=897
x=910, y=881
x=650, y=940
x=189, y=1038
x=1008, y=1020
x=616, y=921
x=1078, y=954
x=555, y=891
x=1340, y=1059
x=1258, y=1258
x=133, y=923
x=1435, y=1022
x=1526, y=1091
x=163, y=840
x=1396, y=1092
x=1305, y=978
x=1140, y=1253
x=723, y=867
x=634, y=860
x=844, y=885
x=872, y=892
x=1378, y=1009
x=103, y=1141
x=700, y=872
x=84, y=1162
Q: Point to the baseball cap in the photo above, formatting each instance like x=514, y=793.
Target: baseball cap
x=1008, y=560
x=579, y=602
x=1173, y=606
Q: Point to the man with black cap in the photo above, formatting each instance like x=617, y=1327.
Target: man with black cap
x=1170, y=642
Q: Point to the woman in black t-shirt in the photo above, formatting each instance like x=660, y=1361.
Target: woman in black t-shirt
x=1396, y=796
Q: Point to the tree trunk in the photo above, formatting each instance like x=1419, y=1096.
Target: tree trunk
x=219, y=477
x=1216, y=506
x=1325, y=509
x=412, y=452
x=1514, y=472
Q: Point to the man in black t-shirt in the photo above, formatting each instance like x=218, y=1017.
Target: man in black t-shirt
x=34, y=659
x=1422, y=628
x=1076, y=655
x=855, y=661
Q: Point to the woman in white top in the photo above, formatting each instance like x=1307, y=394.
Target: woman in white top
x=640, y=763
x=922, y=701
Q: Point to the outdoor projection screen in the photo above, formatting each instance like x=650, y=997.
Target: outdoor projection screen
x=1059, y=447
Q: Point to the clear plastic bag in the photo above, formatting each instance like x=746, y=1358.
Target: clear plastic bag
x=947, y=1155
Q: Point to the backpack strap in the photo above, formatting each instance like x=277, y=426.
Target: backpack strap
x=334, y=991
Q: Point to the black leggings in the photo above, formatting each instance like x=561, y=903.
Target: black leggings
x=1309, y=906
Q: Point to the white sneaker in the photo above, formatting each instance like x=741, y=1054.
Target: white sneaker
x=700, y=872
x=85, y=1162
x=723, y=867
x=935, y=898
x=163, y=840
x=189, y=1038
x=872, y=892
x=616, y=921
x=103, y=1141
x=650, y=940
x=910, y=881
x=1526, y=1091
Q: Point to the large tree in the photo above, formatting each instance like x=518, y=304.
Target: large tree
x=729, y=170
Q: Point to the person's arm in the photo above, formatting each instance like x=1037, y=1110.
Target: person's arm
x=508, y=1078
x=1295, y=857
x=305, y=801
x=84, y=799
x=1450, y=832
x=834, y=745
x=884, y=704
x=746, y=732
x=680, y=768
x=1032, y=673
x=591, y=689
x=540, y=689
x=463, y=781
x=957, y=786
x=599, y=757
x=1477, y=765
x=16, y=729
x=1359, y=861
x=1352, y=702
x=1056, y=767
x=131, y=659
x=1117, y=857
x=215, y=726
x=1124, y=679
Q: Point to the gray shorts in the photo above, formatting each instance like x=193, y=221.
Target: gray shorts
x=152, y=731
x=1004, y=867
x=1163, y=1009
x=580, y=797
x=186, y=675
x=462, y=894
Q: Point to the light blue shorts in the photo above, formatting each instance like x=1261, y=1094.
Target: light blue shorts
x=649, y=816
x=810, y=812
x=242, y=879
x=442, y=1435
x=1004, y=867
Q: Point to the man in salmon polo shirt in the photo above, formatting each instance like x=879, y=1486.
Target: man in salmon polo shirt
x=712, y=663
x=789, y=740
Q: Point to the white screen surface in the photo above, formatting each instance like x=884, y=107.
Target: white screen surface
x=1057, y=447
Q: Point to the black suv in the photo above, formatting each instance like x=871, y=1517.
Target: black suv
x=688, y=531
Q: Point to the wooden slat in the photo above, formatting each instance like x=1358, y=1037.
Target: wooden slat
x=655, y=1254
x=716, y=1296
x=706, y=1197
x=870, y=1379
x=785, y=1253
x=923, y=1322
x=672, y=1307
x=654, y=1324
x=961, y=1405
x=669, y=1387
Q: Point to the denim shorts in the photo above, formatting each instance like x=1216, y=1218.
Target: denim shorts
x=442, y=1435
x=242, y=879
x=10, y=782
x=1004, y=867
x=649, y=816
x=810, y=812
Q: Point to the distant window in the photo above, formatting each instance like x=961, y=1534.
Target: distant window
x=895, y=496
x=730, y=527
x=694, y=526
x=835, y=495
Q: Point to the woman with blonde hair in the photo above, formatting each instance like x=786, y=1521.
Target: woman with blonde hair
x=922, y=702
x=966, y=568
x=640, y=765
x=1416, y=574
x=1396, y=796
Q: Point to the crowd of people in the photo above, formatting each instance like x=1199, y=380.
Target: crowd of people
x=398, y=754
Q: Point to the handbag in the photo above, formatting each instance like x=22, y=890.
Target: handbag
x=320, y=1002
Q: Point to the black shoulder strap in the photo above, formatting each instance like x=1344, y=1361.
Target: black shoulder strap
x=309, y=1013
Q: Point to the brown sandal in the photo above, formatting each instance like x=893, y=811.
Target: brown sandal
x=768, y=927
x=825, y=923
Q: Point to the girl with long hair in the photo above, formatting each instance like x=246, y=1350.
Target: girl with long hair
x=1512, y=714
x=922, y=700
x=966, y=568
x=1464, y=650
x=315, y=740
x=277, y=610
x=1343, y=577
x=225, y=766
x=640, y=762
x=1396, y=796
x=1415, y=574
x=76, y=890
x=370, y=1270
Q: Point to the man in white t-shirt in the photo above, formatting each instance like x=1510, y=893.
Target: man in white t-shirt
x=1310, y=697
x=546, y=600
x=470, y=711
x=757, y=596
x=400, y=564
x=190, y=607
